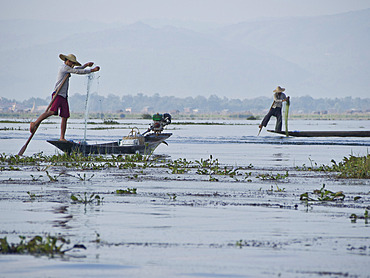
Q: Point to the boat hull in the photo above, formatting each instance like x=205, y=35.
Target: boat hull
x=362, y=133
x=151, y=143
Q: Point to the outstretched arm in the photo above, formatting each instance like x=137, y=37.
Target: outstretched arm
x=90, y=64
x=82, y=70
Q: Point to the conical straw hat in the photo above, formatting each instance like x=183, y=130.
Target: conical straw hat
x=279, y=90
x=70, y=57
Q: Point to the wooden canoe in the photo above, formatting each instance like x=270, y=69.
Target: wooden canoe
x=317, y=133
x=147, y=147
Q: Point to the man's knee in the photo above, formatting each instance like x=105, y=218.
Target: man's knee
x=52, y=113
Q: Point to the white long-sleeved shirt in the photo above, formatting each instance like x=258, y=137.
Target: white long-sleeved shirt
x=63, y=71
x=278, y=100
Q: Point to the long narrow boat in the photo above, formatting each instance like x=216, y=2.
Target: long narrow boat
x=146, y=146
x=317, y=133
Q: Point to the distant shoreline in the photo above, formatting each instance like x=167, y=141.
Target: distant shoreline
x=181, y=116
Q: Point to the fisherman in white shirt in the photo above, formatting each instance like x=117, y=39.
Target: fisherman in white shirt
x=71, y=65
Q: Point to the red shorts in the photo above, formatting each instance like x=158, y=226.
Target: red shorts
x=61, y=104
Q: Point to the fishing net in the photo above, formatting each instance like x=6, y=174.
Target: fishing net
x=90, y=78
x=286, y=114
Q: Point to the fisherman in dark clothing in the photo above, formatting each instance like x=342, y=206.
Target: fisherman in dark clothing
x=275, y=109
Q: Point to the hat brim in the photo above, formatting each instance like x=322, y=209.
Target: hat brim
x=278, y=90
x=65, y=57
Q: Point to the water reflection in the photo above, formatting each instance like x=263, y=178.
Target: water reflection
x=280, y=156
x=63, y=220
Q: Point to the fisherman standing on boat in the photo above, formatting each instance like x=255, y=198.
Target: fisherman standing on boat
x=61, y=100
x=275, y=109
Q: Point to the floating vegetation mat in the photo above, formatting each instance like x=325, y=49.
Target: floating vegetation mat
x=134, y=214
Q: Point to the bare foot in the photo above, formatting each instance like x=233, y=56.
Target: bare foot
x=63, y=139
x=33, y=127
x=260, y=126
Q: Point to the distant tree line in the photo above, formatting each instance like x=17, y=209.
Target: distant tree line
x=200, y=104
x=141, y=103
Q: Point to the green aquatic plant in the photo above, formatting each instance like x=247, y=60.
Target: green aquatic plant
x=204, y=165
x=239, y=244
x=247, y=176
x=13, y=122
x=42, y=168
x=137, y=157
x=231, y=172
x=177, y=170
x=10, y=168
x=322, y=195
x=65, y=158
x=38, y=245
x=127, y=165
x=104, y=128
x=278, y=189
x=172, y=196
x=110, y=122
x=10, y=128
x=84, y=177
x=87, y=199
x=250, y=166
x=356, y=167
x=53, y=178
x=75, y=160
x=354, y=217
x=134, y=177
x=179, y=166
x=126, y=191
x=33, y=196
x=278, y=176
x=198, y=123
x=211, y=178
x=212, y=167
x=314, y=167
x=353, y=167
x=146, y=116
x=97, y=239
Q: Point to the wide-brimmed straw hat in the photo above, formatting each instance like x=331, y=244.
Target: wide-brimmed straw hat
x=279, y=90
x=70, y=57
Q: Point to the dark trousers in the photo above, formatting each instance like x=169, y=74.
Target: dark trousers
x=276, y=112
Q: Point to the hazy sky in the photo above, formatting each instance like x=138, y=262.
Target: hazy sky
x=124, y=11
x=212, y=12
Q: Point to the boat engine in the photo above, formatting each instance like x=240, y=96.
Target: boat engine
x=159, y=122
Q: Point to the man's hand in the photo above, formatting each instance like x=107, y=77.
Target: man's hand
x=89, y=64
x=95, y=69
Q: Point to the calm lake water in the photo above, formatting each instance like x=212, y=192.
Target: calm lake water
x=233, y=227
x=232, y=142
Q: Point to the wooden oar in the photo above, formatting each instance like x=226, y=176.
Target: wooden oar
x=260, y=130
x=23, y=149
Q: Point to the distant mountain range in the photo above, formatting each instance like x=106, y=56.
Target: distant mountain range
x=324, y=56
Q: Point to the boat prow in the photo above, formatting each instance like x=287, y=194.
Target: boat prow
x=317, y=133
